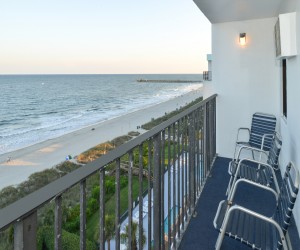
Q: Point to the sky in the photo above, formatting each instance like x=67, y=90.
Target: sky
x=103, y=37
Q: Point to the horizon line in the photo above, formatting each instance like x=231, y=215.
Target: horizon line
x=24, y=74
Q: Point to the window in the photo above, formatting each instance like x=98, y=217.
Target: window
x=284, y=90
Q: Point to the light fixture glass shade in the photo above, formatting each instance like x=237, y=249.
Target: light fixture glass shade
x=242, y=39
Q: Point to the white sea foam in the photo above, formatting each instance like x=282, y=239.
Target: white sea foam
x=44, y=107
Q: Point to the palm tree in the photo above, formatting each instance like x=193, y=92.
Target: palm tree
x=109, y=230
x=134, y=237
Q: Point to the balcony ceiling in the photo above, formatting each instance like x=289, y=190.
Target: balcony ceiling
x=219, y=11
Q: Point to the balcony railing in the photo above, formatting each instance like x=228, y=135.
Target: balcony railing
x=207, y=75
x=173, y=159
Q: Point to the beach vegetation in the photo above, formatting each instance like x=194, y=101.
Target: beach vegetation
x=134, y=133
x=34, y=182
x=157, y=121
x=118, y=141
x=134, y=237
x=109, y=231
x=70, y=241
x=102, y=149
x=7, y=238
x=95, y=152
x=93, y=220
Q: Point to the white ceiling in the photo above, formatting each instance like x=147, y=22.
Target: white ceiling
x=219, y=11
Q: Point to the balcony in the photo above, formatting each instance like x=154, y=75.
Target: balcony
x=207, y=76
x=201, y=233
x=174, y=183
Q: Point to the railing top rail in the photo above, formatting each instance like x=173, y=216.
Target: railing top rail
x=33, y=201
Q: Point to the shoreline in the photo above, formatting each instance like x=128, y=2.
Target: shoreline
x=7, y=154
x=49, y=153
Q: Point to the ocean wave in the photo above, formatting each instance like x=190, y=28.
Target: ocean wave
x=66, y=105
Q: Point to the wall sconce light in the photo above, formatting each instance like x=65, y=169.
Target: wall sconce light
x=242, y=39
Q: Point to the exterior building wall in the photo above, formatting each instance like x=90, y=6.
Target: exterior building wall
x=290, y=127
x=246, y=79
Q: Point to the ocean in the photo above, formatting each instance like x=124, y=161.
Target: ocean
x=36, y=108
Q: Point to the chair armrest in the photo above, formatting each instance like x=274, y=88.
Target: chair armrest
x=239, y=129
x=257, y=215
x=263, y=139
x=250, y=149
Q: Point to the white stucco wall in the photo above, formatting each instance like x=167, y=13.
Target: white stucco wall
x=290, y=127
x=246, y=79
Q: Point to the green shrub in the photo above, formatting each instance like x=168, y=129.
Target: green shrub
x=69, y=241
x=123, y=181
x=93, y=205
x=155, y=122
x=73, y=225
x=8, y=195
x=96, y=193
x=109, y=187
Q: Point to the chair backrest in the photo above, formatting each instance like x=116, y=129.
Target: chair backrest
x=262, y=124
x=287, y=197
x=274, y=152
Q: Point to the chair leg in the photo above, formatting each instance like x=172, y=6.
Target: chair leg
x=229, y=186
x=253, y=155
x=223, y=229
x=219, y=241
x=236, y=145
x=288, y=240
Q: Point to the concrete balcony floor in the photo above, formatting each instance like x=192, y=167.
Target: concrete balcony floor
x=201, y=233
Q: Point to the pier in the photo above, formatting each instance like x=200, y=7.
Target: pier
x=167, y=81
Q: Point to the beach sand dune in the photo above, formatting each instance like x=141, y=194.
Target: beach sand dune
x=17, y=166
x=50, y=149
x=18, y=162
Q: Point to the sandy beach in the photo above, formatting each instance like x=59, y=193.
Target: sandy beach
x=24, y=162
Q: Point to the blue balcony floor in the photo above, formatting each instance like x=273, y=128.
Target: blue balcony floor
x=201, y=233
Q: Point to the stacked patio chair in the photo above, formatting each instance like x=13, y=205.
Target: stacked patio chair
x=262, y=125
x=254, y=229
x=257, y=171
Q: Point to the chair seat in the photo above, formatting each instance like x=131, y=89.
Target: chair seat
x=250, y=230
x=251, y=172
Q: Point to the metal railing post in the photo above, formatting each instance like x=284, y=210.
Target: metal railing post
x=117, y=205
x=192, y=160
x=149, y=194
x=211, y=132
x=130, y=200
x=141, y=230
x=102, y=210
x=83, y=215
x=205, y=140
x=174, y=186
x=25, y=233
x=169, y=188
x=162, y=191
x=157, y=192
x=183, y=172
x=178, y=179
x=18, y=235
x=58, y=223
x=186, y=167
